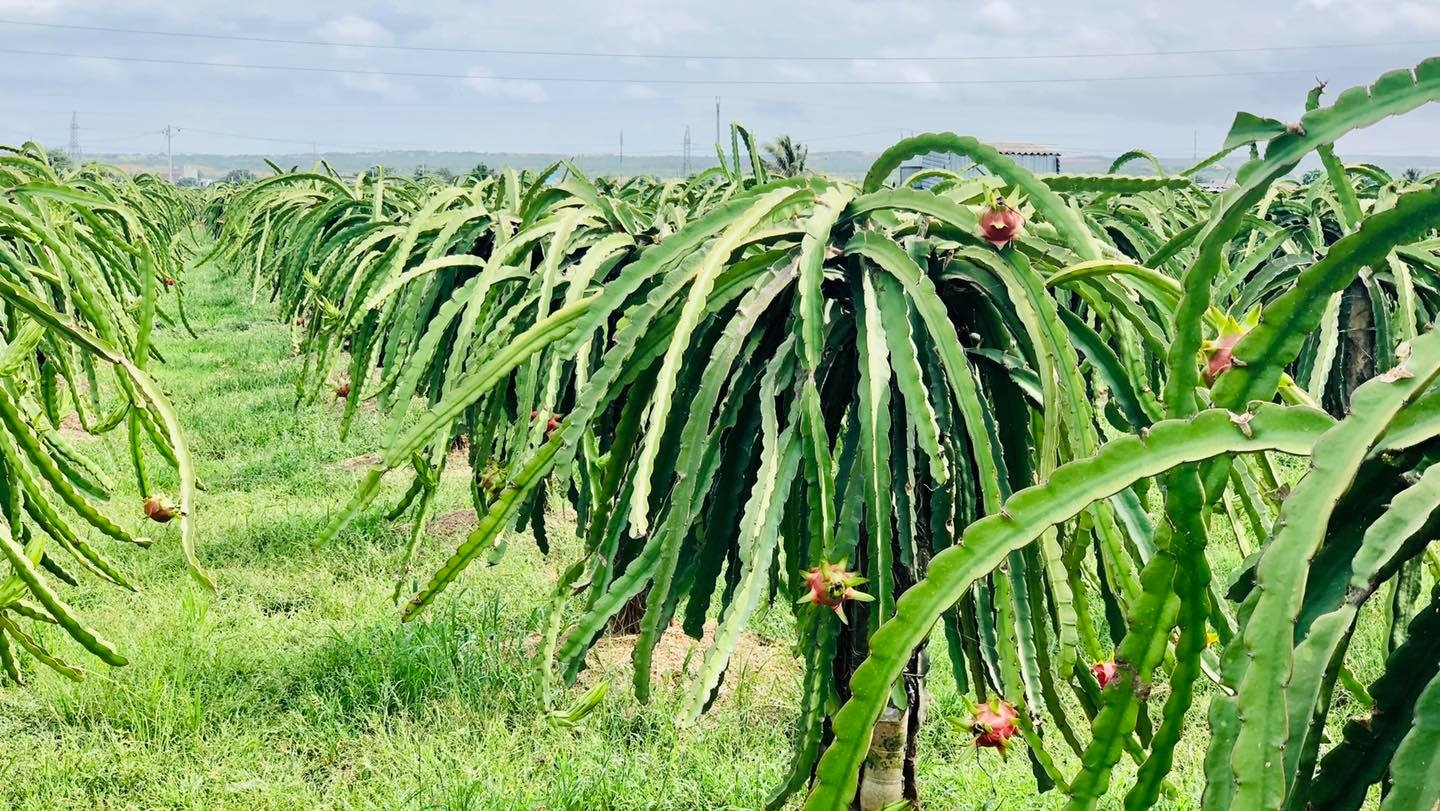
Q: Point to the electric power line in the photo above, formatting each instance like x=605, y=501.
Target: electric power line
x=786, y=57
x=108, y=139
x=296, y=141
x=675, y=81
x=313, y=144
x=813, y=139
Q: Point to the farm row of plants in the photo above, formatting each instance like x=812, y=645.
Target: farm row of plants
x=1027, y=415
x=89, y=260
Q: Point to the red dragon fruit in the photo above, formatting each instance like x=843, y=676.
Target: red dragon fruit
x=993, y=725
x=551, y=424
x=1219, y=352
x=1220, y=355
x=830, y=585
x=1000, y=223
x=159, y=509
x=1104, y=672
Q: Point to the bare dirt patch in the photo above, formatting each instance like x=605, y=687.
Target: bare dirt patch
x=70, y=427
x=367, y=406
x=455, y=522
x=457, y=462
x=677, y=657
x=360, y=462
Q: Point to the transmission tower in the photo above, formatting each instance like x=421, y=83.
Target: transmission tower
x=169, y=133
x=685, y=161
x=75, y=138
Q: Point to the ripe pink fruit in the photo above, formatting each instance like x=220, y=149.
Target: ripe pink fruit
x=1221, y=355
x=1104, y=672
x=830, y=585
x=159, y=509
x=551, y=424
x=993, y=725
x=1220, y=351
x=999, y=223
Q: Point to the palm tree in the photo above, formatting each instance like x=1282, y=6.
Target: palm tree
x=786, y=158
x=60, y=161
x=1412, y=174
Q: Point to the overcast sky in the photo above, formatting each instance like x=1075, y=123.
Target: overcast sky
x=504, y=102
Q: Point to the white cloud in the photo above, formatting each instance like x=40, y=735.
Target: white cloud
x=29, y=8
x=865, y=16
x=793, y=72
x=916, y=80
x=100, y=68
x=1000, y=15
x=1162, y=115
x=352, y=30
x=378, y=85
x=230, y=63
x=483, y=81
x=654, y=23
x=638, y=92
x=1422, y=16
x=1409, y=16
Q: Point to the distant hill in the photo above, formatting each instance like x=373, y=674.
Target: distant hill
x=849, y=164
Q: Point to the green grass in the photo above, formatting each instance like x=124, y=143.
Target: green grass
x=296, y=686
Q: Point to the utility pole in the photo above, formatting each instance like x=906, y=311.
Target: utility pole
x=169, y=133
x=685, y=162
x=75, y=138
x=717, y=121
x=620, y=167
